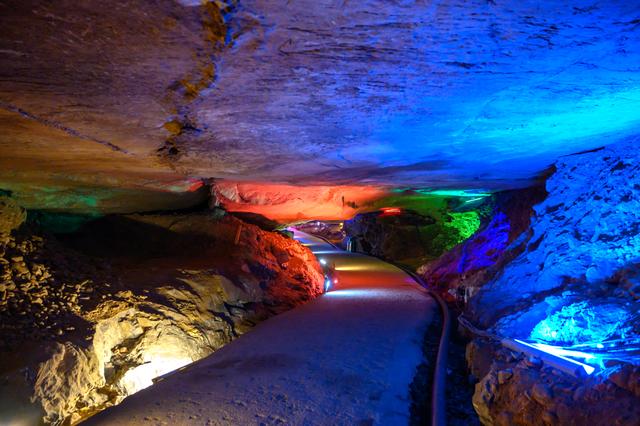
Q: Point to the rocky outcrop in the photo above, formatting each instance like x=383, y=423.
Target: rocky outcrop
x=397, y=236
x=569, y=279
x=460, y=272
x=407, y=236
x=585, y=241
x=516, y=390
x=11, y=217
x=148, y=295
x=294, y=203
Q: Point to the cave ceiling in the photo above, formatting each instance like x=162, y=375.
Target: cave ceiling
x=104, y=97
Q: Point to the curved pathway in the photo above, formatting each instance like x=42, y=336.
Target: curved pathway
x=345, y=358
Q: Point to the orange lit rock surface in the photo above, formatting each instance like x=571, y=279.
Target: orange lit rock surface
x=290, y=202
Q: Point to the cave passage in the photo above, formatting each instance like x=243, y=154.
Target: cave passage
x=254, y=212
x=347, y=357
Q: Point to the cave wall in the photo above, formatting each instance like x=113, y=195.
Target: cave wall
x=89, y=317
x=562, y=267
x=585, y=242
x=503, y=234
x=410, y=228
x=576, y=236
x=290, y=203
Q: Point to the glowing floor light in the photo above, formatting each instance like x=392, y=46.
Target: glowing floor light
x=553, y=356
x=569, y=353
x=352, y=268
x=142, y=376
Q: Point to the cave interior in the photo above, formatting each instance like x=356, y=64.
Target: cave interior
x=159, y=161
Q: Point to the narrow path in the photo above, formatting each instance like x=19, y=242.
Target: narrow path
x=346, y=358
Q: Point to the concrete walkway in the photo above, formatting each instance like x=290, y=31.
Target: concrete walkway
x=346, y=358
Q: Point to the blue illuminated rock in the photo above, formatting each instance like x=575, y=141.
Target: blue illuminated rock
x=573, y=281
x=584, y=322
x=585, y=237
x=437, y=93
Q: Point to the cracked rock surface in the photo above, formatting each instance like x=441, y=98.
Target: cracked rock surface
x=482, y=94
x=92, y=317
x=562, y=272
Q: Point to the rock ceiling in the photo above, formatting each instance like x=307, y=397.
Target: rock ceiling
x=102, y=98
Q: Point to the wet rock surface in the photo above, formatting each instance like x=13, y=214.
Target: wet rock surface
x=92, y=317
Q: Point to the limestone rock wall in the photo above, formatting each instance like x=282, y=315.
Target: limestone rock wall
x=570, y=278
x=585, y=242
x=95, y=316
x=100, y=98
x=409, y=236
x=459, y=273
x=392, y=237
x=91, y=97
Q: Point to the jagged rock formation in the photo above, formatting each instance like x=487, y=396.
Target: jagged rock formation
x=585, y=241
x=148, y=295
x=570, y=278
x=516, y=390
x=459, y=273
x=396, y=237
x=407, y=236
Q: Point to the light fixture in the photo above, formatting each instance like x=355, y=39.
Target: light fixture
x=391, y=211
x=553, y=356
x=327, y=284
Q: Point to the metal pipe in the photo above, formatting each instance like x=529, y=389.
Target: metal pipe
x=439, y=385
